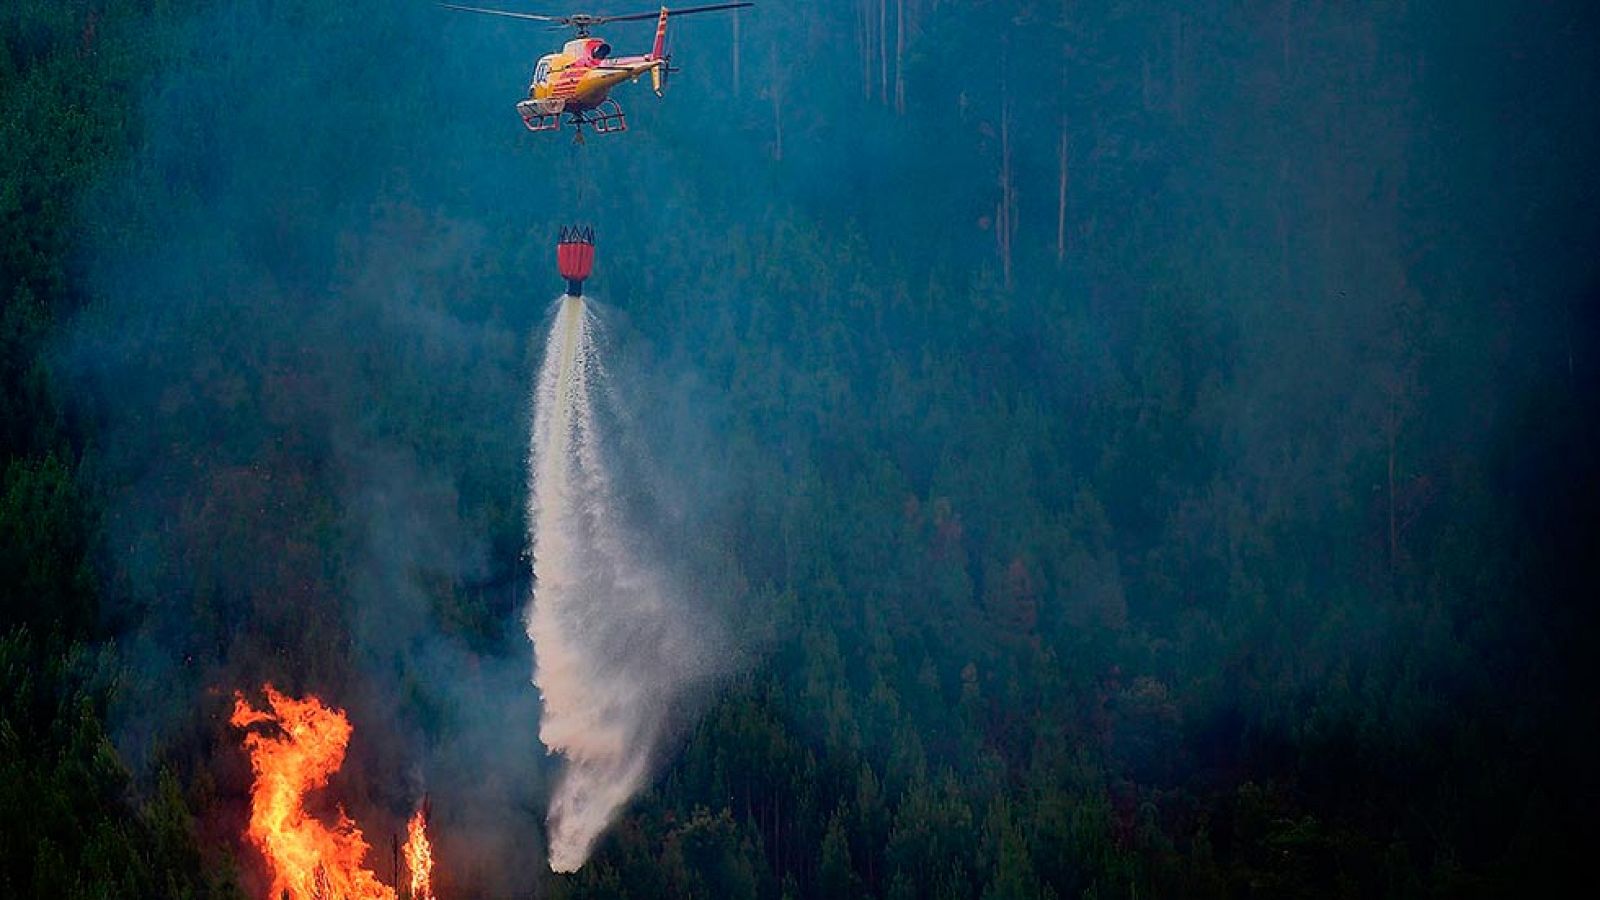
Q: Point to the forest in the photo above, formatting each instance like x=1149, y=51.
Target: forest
x=1124, y=448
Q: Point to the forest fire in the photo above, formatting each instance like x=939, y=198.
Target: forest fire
x=419, y=857
x=310, y=860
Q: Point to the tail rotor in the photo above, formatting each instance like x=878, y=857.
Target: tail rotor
x=658, y=75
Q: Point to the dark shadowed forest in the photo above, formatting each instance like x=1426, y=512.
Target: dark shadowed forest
x=1127, y=448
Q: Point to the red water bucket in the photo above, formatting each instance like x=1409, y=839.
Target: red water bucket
x=575, y=256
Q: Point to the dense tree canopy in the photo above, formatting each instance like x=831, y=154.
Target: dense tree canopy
x=1141, y=449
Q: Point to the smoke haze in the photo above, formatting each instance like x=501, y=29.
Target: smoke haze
x=1251, y=408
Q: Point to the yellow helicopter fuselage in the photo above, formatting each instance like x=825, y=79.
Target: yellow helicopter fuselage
x=584, y=72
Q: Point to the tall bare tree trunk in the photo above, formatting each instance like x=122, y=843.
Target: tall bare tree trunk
x=1146, y=85
x=865, y=43
x=1572, y=369
x=775, y=91
x=1005, y=216
x=1177, y=63
x=883, y=51
x=899, y=56
x=1288, y=35
x=1394, y=533
x=1061, y=197
x=777, y=123
x=1284, y=275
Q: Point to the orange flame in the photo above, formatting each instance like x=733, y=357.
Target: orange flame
x=419, y=857
x=309, y=860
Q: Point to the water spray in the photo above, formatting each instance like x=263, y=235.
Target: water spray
x=614, y=651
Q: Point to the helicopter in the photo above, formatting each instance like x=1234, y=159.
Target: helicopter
x=577, y=81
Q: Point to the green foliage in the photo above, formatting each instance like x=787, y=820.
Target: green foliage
x=70, y=826
x=1225, y=551
x=835, y=875
x=45, y=581
x=67, y=825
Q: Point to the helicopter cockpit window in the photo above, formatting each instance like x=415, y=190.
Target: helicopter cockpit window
x=601, y=51
x=541, y=72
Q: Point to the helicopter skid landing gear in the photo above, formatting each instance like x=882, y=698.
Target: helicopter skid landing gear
x=607, y=118
x=542, y=123
x=541, y=115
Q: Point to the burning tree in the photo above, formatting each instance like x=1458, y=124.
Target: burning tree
x=419, y=856
x=302, y=744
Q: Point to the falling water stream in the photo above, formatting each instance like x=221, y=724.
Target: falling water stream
x=610, y=657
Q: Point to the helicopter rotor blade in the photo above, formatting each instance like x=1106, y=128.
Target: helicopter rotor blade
x=671, y=13
x=507, y=13
x=584, y=21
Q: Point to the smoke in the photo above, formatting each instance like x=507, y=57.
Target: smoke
x=306, y=320
x=295, y=367
x=614, y=652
